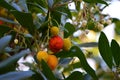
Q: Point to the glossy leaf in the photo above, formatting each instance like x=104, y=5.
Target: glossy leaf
x=16, y=75
x=96, y=1
x=25, y=19
x=69, y=30
x=4, y=4
x=32, y=5
x=6, y=65
x=89, y=44
x=64, y=11
x=115, y=52
x=105, y=49
x=8, y=20
x=4, y=41
x=23, y=5
x=75, y=75
x=56, y=16
x=47, y=71
x=50, y=3
x=76, y=51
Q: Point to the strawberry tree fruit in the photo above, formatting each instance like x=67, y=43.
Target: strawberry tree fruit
x=1, y=22
x=55, y=43
x=42, y=55
x=52, y=61
x=54, y=30
x=67, y=44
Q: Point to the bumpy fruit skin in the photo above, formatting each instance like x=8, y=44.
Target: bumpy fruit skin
x=42, y=55
x=54, y=30
x=56, y=43
x=52, y=61
x=67, y=44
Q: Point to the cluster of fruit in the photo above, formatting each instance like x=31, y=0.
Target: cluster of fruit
x=56, y=44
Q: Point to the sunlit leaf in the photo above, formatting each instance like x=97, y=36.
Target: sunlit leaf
x=105, y=49
x=50, y=3
x=16, y=75
x=6, y=65
x=76, y=51
x=75, y=75
x=8, y=20
x=23, y=5
x=4, y=41
x=89, y=44
x=117, y=28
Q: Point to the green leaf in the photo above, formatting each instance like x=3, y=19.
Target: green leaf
x=47, y=71
x=115, y=52
x=96, y=1
x=4, y=4
x=4, y=41
x=22, y=4
x=64, y=11
x=4, y=29
x=89, y=44
x=50, y=3
x=41, y=3
x=8, y=20
x=76, y=76
x=32, y=5
x=105, y=50
x=117, y=27
x=25, y=19
x=6, y=65
x=69, y=30
x=56, y=16
x=16, y=75
x=64, y=54
x=77, y=4
x=76, y=51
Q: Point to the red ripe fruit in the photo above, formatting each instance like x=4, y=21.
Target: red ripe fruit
x=55, y=43
x=1, y=22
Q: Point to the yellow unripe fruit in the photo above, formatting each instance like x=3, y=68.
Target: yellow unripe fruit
x=67, y=44
x=52, y=61
x=42, y=55
x=16, y=41
x=54, y=30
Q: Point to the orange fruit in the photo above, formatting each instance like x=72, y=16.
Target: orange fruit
x=54, y=30
x=55, y=43
x=52, y=61
x=42, y=55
